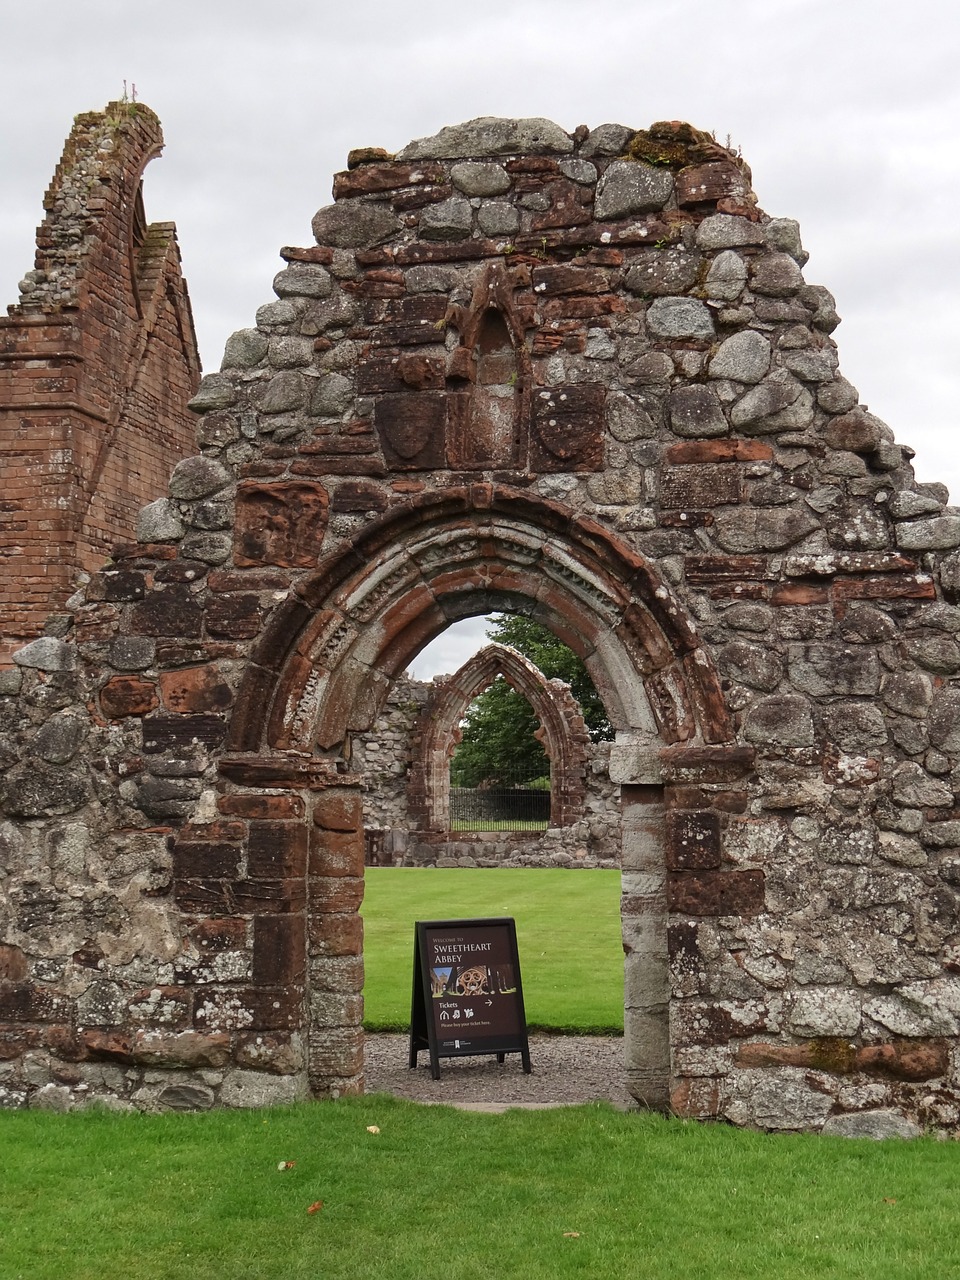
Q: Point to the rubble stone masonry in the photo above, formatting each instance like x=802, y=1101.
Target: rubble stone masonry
x=580, y=376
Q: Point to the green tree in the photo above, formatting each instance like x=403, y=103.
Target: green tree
x=557, y=662
x=498, y=744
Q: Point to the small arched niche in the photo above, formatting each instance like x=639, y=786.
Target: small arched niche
x=492, y=435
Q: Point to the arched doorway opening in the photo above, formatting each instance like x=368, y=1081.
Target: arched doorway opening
x=562, y=734
x=326, y=662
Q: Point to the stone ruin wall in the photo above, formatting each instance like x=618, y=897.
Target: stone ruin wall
x=382, y=757
x=581, y=375
x=98, y=359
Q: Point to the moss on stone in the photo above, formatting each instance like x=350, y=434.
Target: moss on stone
x=833, y=1053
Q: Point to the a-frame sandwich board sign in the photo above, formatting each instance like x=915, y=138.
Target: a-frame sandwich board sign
x=467, y=992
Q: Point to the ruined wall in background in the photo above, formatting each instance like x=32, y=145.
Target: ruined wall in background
x=97, y=362
x=578, y=376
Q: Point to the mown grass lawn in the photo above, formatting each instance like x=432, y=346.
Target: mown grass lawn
x=568, y=936
x=443, y=1195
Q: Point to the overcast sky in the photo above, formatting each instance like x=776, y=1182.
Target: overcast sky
x=848, y=113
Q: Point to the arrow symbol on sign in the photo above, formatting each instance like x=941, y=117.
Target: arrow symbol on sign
x=489, y=1003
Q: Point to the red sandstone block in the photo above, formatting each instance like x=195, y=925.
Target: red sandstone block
x=335, y=934
x=338, y=809
x=894, y=586
x=716, y=893
x=706, y=570
x=371, y=178
x=336, y=894
x=276, y=850
x=206, y=859
x=718, y=451
x=190, y=690
x=261, y=806
x=799, y=593
x=279, y=949
x=692, y=841
x=336, y=853
x=128, y=695
x=215, y=935
x=13, y=963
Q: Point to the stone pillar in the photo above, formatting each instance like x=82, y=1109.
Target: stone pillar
x=335, y=941
x=646, y=967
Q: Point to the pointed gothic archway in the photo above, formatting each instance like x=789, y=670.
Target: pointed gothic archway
x=326, y=662
x=562, y=732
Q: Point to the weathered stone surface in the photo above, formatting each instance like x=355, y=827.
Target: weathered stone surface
x=490, y=136
x=743, y=357
x=186, y=1097
x=825, y=1011
x=216, y=391
x=777, y=404
x=47, y=654
x=497, y=218
x=878, y=1125
x=260, y=1089
x=664, y=271
x=727, y=277
x=916, y=789
x=159, y=522
x=784, y=234
x=354, y=226
x=198, y=478
x=783, y=721
x=752, y=665
x=776, y=274
x=781, y=1100
x=939, y=534
x=679, y=318
x=477, y=179
x=629, y=187
x=944, y=719
x=60, y=738
x=607, y=140
x=37, y=791
x=244, y=349
x=449, y=220
x=303, y=280
x=696, y=412
x=764, y=529
x=725, y=231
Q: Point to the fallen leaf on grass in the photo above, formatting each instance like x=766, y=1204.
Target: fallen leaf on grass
x=889, y=1200
x=372, y=1128
x=286, y=1164
x=571, y=1235
x=315, y=1207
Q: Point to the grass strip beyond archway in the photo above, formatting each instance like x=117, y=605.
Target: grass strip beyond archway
x=568, y=934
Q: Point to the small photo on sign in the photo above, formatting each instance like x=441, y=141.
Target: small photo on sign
x=439, y=977
x=473, y=980
x=506, y=982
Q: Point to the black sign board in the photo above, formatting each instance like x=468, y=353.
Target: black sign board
x=467, y=994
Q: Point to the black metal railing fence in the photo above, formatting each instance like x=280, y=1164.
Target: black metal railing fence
x=508, y=803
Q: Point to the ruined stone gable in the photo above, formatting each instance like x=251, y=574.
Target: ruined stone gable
x=97, y=362
x=581, y=377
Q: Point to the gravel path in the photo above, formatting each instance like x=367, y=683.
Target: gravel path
x=566, y=1069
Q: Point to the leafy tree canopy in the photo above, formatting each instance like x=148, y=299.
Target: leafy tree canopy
x=498, y=745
